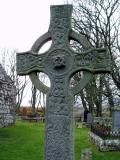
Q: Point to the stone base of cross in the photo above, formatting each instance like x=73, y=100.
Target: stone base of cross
x=60, y=63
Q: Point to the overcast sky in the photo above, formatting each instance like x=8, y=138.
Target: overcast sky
x=23, y=21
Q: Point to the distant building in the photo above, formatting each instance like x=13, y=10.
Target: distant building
x=7, y=99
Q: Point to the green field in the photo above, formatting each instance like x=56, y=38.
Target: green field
x=25, y=141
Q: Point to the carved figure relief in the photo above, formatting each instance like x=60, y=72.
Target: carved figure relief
x=59, y=61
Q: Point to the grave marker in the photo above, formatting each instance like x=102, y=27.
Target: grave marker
x=116, y=118
x=89, y=119
x=60, y=62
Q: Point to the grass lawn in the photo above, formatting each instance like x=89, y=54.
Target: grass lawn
x=25, y=141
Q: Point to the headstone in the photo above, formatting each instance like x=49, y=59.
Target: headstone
x=116, y=118
x=60, y=62
x=89, y=119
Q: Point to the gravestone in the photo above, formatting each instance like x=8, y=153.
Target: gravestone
x=60, y=63
x=89, y=119
x=116, y=118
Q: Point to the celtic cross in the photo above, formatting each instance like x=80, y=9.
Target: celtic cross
x=60, y=63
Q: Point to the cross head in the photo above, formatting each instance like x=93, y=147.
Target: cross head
x=60, y=63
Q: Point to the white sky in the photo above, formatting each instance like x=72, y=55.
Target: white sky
x=23, y=21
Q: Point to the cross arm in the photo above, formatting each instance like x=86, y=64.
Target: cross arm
x=28, y=62
x=94, y=60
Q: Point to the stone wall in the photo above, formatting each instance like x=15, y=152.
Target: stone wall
x=104, y=135
x=104, y=144
x=106, y=121
x=7, y=99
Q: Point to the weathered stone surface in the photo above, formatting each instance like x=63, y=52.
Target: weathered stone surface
x=105, y=144
x=89, y=120
x=108, y=139
x=116, y=120
x=60, y=62
x=116, y=117
x=106, y=121
x=7, y=99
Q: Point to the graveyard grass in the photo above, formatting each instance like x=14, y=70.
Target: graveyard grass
x=25, y=141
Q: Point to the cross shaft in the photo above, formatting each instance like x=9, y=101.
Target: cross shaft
x=60, y=63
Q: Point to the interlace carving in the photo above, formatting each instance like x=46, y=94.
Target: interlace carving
x=60, y=63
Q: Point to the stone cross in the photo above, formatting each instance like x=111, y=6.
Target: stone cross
x=60, y=63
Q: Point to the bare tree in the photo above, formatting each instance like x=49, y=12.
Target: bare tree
x=38, y=98
x=33, y=98
x=99, y=22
